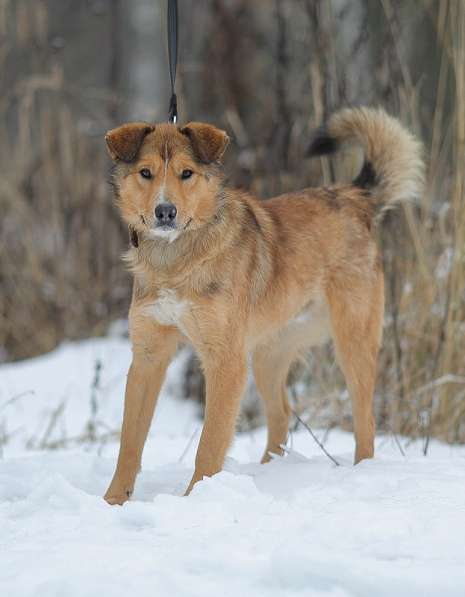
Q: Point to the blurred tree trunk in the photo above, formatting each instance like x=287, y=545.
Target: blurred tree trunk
x=143, y=66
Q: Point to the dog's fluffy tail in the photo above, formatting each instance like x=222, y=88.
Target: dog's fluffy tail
x=393, y=168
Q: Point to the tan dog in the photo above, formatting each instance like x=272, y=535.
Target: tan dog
x=235, y=276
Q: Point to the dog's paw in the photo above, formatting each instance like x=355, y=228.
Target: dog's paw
x=115, y=498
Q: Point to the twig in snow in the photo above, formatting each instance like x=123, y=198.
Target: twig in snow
x=16, y=397
x=397, y=442
x=56, y=414
x=79, y=439
x=92, y=424
x=307, y=427
x=189, y=444
x=328, y=430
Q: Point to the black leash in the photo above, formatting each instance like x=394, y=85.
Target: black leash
x=173, y=56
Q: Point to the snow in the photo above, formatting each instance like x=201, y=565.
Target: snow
x=296, y=526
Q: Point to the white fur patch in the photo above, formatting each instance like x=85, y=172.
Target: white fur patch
x=303, y=317
x=167, y=309
x=169, y=235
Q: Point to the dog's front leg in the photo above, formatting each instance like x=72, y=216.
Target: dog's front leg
x=151, y=357
x=225, y=376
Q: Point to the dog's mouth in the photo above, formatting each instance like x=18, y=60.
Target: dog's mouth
x=165, y=227
x=169, y=231
x=170, y=226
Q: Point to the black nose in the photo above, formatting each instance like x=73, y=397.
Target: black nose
x=165, y=213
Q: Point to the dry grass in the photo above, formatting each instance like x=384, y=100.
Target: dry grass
x=60, y=236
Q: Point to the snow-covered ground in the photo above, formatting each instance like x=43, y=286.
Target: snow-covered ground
x=394, y=526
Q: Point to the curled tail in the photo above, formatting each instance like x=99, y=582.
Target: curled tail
x=393, y=167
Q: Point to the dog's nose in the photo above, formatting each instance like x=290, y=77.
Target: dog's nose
x=165, y=213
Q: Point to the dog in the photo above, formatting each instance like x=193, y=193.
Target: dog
x=235, y=276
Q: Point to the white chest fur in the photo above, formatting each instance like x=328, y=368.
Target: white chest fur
x=167, y=309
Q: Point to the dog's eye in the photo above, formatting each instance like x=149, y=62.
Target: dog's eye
x=185, y=174
x=145, y=173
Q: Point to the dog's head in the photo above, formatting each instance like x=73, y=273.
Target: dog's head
x=168, y=178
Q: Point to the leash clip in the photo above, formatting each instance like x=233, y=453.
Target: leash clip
x=172, y=25
x=173, y=109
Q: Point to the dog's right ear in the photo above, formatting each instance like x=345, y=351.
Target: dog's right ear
x=124, y=142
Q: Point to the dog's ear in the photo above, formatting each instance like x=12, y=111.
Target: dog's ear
x=124, y=142
x=208, y=142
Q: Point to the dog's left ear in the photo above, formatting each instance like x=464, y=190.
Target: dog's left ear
x=208, y=142
x=124, y=142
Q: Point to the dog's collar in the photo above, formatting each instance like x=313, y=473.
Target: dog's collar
x=133, y=237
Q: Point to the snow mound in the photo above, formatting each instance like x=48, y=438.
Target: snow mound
x=296, y=526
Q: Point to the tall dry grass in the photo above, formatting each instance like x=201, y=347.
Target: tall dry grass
x=60, y=236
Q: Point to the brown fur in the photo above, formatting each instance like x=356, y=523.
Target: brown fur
x=243, y=276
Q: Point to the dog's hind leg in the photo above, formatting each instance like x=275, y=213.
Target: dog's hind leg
x=272, y=361
x=153, y=347
x=356, y=320
x=270, y=368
